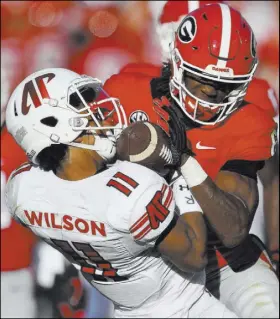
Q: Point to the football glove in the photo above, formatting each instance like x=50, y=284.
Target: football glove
x=171, y=119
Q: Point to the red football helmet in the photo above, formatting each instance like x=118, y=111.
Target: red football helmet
x=213, y=43
x=172, y=14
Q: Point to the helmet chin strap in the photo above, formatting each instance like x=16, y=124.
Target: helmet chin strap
x=104, y=146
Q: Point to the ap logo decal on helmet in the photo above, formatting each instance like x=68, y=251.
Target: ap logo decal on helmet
x=187, y=29
x=30, y=90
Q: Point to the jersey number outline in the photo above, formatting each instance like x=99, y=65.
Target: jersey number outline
x=120, y=183
x=103, y=271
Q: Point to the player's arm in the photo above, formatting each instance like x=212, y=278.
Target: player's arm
x=228, y=203
x=155, y=223
x=191, y=216
x=269, y=176
x=185, y=244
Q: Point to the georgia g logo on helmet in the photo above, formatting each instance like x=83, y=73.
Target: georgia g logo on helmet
x=187, y=29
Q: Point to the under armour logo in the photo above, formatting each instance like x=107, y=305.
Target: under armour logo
x=181, y=187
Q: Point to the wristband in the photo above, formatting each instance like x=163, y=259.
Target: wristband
x=193, y=173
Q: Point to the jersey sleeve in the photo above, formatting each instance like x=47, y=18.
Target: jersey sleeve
x=12, y=193
x=257, y=138
x=152, y=215
x=260, y=93
x=184, y=199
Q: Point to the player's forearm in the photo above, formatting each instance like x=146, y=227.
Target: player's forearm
x=226, y=213
x=271, y=213
x=269, y=177
x=196, y=232
x=185, y=244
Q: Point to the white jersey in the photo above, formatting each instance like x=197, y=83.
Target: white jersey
x=107, y=225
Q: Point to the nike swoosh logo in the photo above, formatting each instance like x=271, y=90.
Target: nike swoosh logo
x=202, y=147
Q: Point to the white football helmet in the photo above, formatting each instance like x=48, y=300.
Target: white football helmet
x=55, y=105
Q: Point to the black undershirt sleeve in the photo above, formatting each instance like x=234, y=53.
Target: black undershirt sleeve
x=167, y=230
x=243, y=167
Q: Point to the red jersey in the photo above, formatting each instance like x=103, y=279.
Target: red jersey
x=246, y=135
x=17, y=242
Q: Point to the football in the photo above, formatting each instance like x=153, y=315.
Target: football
x=147, y=144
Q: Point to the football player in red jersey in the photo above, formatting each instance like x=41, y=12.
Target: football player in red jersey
x=266, y=221
x=213, y=63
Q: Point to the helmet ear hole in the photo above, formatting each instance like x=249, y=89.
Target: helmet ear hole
x=49, y=121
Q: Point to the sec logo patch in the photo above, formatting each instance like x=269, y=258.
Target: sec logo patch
x=138, y=116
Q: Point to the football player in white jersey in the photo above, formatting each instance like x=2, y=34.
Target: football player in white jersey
x=111, y=223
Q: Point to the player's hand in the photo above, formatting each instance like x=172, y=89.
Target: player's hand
x=170, y=119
